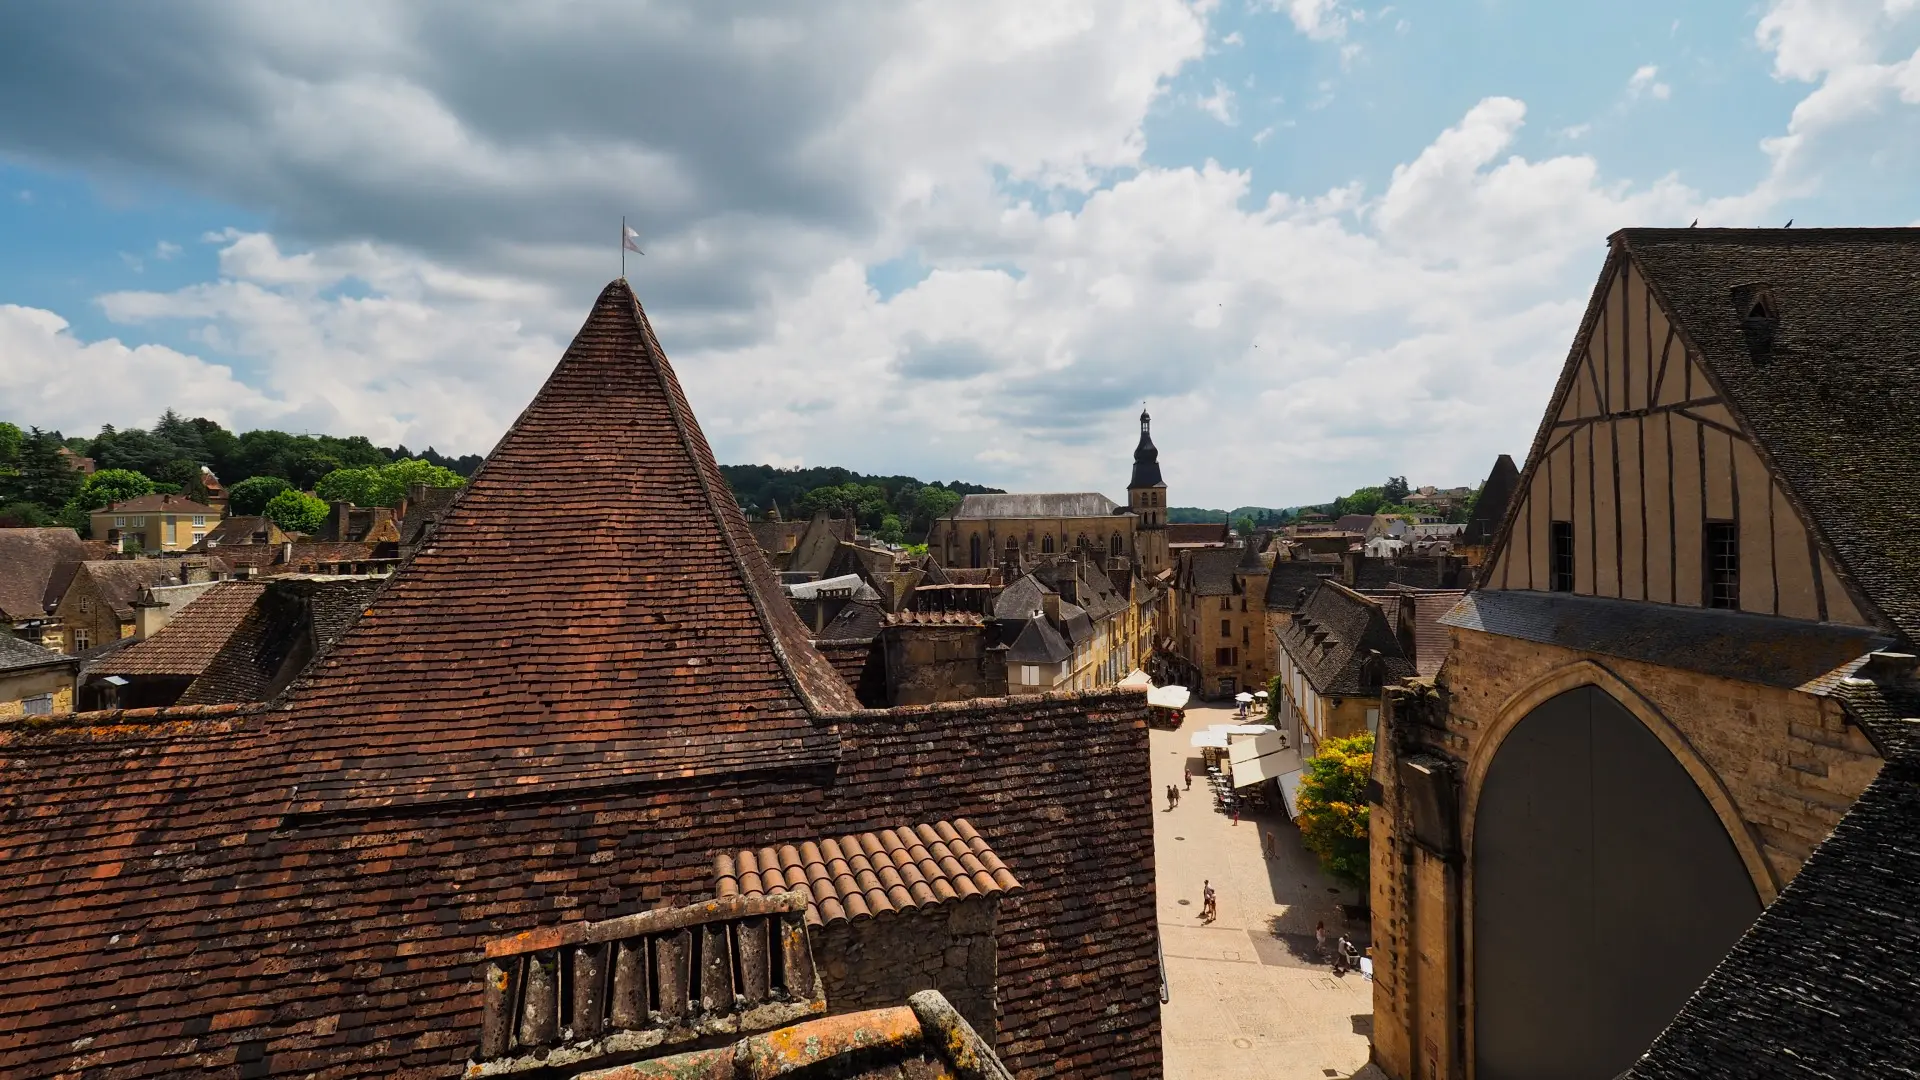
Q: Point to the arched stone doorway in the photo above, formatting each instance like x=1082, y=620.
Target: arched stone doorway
x=1605, y=889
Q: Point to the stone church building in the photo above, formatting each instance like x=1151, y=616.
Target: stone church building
x=1651, y=718
x=991, y=530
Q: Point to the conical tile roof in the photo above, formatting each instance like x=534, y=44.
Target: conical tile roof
x=592, y=607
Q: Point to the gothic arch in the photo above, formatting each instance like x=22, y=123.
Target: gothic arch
x=1588, y=673
x=1607, y=871
x=1046, y=544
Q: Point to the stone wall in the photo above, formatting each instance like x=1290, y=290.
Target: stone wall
x=929, y=664
x=876, y=963
x=1783, y=765
x=16, y=688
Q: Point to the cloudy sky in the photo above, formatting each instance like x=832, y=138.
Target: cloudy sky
x=1325, y=241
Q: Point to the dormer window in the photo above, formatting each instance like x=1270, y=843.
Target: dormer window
x=1759, y=314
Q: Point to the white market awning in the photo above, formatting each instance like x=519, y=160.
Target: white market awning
x=1260, y=757
x=1248, y=729
x=1136, y=680
x=1168, y=697
x=1290, y=792
x=1210, y=737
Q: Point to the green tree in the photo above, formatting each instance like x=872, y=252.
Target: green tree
x=250, y=496
x=1244, y=525
x=1274, y=686
x=11, y=440
x=24, y=515
x=384, y=485
x=42, y=477
x=1333, y=807
x=99, y=491
x=891, y=531
x=296, y=511
x=1395, y=489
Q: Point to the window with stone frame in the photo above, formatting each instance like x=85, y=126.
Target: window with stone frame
x=1046, y=544
x=82, y=639
x=1226, y=628
x=1723, y=565
x=1560, y=556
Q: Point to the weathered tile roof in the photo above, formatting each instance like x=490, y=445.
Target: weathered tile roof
x=18, y=655
x=1331, y=638
x=713, y=674
x=1831, y=402
x=867, y=875
x=241, y=530
x=1491, y=507
x=1291, y=581
x=1424, y=640
x=1822, y=984
x=160, y=504
x=1079, y=504
x=117, y=582
x=294, y=620
x=189, y=642
x=518, y=738
x=1764, y=649
x=926, y=1039
x=1038, y=643
x=1209, y=571
x=858, y=621
x=1198, y=532
x=29, y=559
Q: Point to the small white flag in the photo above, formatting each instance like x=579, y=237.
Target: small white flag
x=628, y=241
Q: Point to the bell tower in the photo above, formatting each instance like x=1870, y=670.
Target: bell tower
x=1147, y=499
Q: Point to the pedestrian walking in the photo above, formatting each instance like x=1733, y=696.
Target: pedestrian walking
x=1169, y=798
x=1176, y=794
x=1320, y=938
x=1186, y=772
x=1236, y=813
x=1267, y=844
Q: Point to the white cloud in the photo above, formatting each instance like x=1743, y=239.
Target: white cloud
x=1233, y=38
x=1645, y=82
x=54, y=380
x=1218, y=104
x=1329, y=337
x=1575, y=131
x=1853, y=50
x=1321, y=20
x=165, y=251
x=1260, y=137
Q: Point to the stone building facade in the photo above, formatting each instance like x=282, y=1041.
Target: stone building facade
x=1640, y=735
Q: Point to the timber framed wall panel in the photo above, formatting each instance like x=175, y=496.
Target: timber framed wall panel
x=1630, y=436
x=1581, y=510
x=1605, y=509
x=1792, y=559
x=1689, y=498
x=1754, y=490
x=1658, y=466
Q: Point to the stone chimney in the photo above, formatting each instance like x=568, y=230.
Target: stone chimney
x=149, y=615
x=244, y=572
x=342, y=521
x=1050, y=606
x=1350, y=562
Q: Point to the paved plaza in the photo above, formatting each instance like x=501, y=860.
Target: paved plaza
x=1249, y=997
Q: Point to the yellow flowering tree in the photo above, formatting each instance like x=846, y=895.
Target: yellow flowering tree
x=1333, y=806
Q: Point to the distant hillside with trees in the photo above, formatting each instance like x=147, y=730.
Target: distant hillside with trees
x=897, y=509
x=292, y=477
x=40, y=486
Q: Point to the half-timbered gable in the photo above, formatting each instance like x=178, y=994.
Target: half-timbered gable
x=1646, y=480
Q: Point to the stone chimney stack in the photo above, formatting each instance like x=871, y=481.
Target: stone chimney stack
x=342, y=521
x=1050, y=606
x=149, y=615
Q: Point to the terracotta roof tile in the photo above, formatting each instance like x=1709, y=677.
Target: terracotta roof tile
x=865, y=875
x=117, y=582
x=189, y=642
x=28, y=561
x=160, y=504
x=517, y=739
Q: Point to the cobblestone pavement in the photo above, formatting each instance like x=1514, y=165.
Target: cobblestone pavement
x=1249, y=996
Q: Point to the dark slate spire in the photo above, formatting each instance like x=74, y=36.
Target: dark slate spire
x=1146, y=459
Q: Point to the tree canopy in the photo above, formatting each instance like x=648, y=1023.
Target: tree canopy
x=383, y=485
x=910, y=504
x=296, y=511
x=250, y=496
x=1332, y=803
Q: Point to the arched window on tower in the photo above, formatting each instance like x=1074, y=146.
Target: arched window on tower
x=1114, y=545
x=1083, y=543
x=1046, y=544
x=973, y=545
x=1013, y=545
